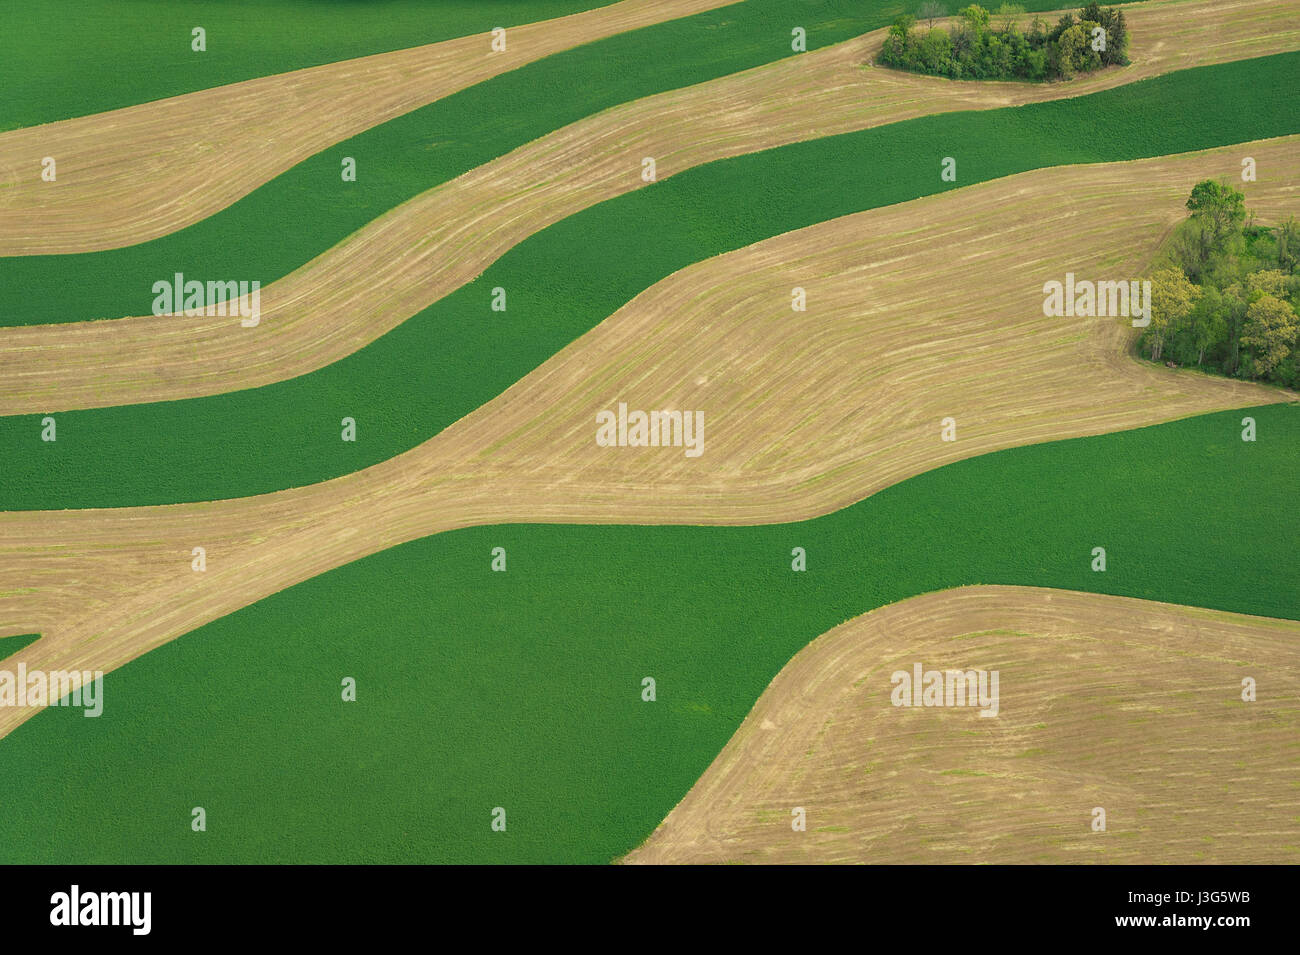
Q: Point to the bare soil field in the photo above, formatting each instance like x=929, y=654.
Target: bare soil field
x=916, y=312
x=428, y=247
x=134, y=174
x=1125, y=705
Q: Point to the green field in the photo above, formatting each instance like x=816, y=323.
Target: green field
x=298, y=215
x=65, y=58
x=521, y=689
x=455, y=355
x=12, y=644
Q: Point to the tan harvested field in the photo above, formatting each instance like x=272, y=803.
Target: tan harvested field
x=916, y=312
x=430, y=246
x=1128, y=705
x=134, y=174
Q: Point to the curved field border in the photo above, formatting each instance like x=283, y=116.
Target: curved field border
x=418, y=151
x=444, y=238
x=1131, y=706
x=457, y=354
x=138, y=173
x=63, y=58
x=134, y=172
x=803, y=415
x=523, y=689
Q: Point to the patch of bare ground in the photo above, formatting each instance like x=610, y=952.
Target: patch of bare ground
x=133, y=174
x=916, y=312
x=436, y=242
x=1130, y=706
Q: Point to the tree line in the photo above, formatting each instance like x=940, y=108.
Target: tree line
x=1225, y=295
x=992, y=46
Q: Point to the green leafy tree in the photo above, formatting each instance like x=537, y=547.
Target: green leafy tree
x=1089, y=59
x=1288, y=244
x=1091, y=17
x=1063, y=24
x=1269, y=332
x=993, y=46
x=1185, y=248
x=1070, y=51
x=1116, y=36
x=976, y=17
x=897, y=50
x=1036, y=65
x=1270, y=282
x=1220, y=209
x=1209, y=330
x=1227, y=294
x=935, y=50
x=1172, y=297
x=1234, y=316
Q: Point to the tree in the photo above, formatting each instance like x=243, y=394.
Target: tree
x=1069, y=47
x=1008, y=13
x=929, y=12
x=1063, y=24
x=1220, y=209
x=1036, y=64
x=963, y=41
x=1116, y=36
x=1234, y=315
x=1288, y=244
x=1089, y=59
x=897, y=50
x=976, y=16
x=1186, y=248
x=1271, y=282
x=935, y=50
x=1270, y=331
x=973, y=48
x=1172, y=297
x=1093, y=16
x=1207, y=325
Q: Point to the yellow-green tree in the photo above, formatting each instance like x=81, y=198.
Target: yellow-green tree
x=1172, y=298
x=1270, y=282
x=1269, y=332
x=1070, y=51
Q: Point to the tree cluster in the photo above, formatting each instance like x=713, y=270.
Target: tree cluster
x=1226, y=296
x=992, y=46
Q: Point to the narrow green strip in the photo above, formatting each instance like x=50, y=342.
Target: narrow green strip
x=298, y=215
x=65, y=58
x=522, y=689
x=457, y=354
